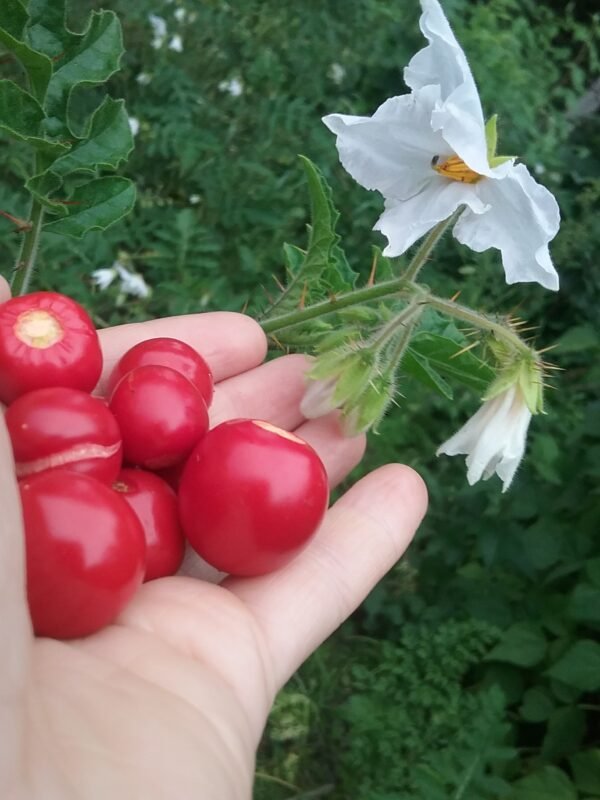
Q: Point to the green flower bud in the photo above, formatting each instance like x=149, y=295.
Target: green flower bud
x=367, y=410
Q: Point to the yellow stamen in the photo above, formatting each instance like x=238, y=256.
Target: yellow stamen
x=456, y=169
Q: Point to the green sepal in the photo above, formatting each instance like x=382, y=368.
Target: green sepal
x=491, y=138
x=20, y=114
x=95, y=206
x=366, y=411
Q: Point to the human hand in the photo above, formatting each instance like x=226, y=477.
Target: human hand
x=170, y=701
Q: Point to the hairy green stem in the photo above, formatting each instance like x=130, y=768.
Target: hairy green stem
x=481, y=321
x=385, y=289
x=426, y=247
x=26, y=260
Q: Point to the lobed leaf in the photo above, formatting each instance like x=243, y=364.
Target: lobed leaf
x=13, y=18
x=95, y=206
x=20, y=114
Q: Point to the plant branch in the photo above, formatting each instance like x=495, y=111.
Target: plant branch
x=426, y=247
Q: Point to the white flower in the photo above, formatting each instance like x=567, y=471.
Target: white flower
x=144, y=78
x=234, y=87
x=337, y=73
x=428, y=154
x=134, y=125
x=176, y=43
x=194, y=199
x=132, y=282
x=180, y=14
x=494, y=438
x=102, y=278
x=159, y=29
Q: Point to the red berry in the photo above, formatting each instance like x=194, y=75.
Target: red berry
x=251, y=496
x=171, y=353
x=155, y=505
x=46, y=339
x=162, y=416
x=64, y=428
x=85, y=553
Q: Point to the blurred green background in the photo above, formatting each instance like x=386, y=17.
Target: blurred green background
x=473, y=671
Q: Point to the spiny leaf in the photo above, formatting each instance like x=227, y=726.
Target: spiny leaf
x=95, y=206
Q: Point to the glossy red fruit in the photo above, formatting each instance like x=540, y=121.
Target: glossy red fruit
x=46, y=339
x=155, y=505
x=166, y=352
x=162, y=416
x=67, y=429
x=85, y=553
x=251, y=496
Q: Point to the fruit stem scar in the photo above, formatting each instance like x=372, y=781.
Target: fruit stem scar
x=279, y=431
x=38, y=328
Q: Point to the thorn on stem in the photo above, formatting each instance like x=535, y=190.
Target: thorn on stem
x=371, y=280
x=22, y=225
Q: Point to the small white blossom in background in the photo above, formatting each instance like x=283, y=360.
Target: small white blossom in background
x=102, y=278
x=494, y=438
x=134, y=125
x=430, y=153
x=194, y=199
x=131, y=283
x=159, y=30
x=143, y=78
x=180, y=14
x=176, y=43
x=336, y=73
x=234, y=87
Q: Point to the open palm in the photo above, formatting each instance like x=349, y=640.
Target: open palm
x=170, y=701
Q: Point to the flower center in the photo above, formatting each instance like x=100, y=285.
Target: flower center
x=456, y=169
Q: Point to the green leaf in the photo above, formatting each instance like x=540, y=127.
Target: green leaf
x=566, y=727
x=579, y=666
x=13, y=18
x=21, y=117
x=548, y=783
x=443, y=356
x=90, y=58
x=420, y=368
x=42, y=186
x=95, y=206
x=579, y=339
x=321, y=270
x=108, y=142
x=523, y=644
x=584, y=605
x=537, y=705
x=586, y=770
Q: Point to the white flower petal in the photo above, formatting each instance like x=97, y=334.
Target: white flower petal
x=493, y=439
x=521, y=219
x=405, y=221
x=102, y=278
x=392, y=150
x=458, y=114
x=176, y=43
x=318, y=398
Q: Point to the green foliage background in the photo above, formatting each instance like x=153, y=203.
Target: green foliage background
x=473, y=671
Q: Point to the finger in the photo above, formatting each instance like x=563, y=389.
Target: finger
x=271, y=392
x=4, y=290
x=364, y=534
x=230, y=343
x=15, y=628
x=338, y=453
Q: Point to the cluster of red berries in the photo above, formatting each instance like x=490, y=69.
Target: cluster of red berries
x=246, y=495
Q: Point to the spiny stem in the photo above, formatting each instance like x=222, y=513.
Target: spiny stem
x=481, y=321
x=384, y=289
x=26, y=260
